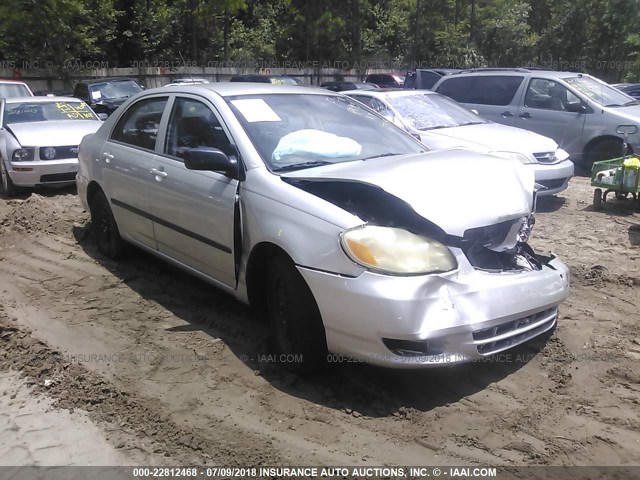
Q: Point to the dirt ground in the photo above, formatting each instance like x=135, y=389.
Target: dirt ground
x=170, y=370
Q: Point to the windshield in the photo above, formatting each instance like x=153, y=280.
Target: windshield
x=600, y=92
x=8, y=90
x=115, y=89
x=46, y=111
x=425, y=112
x=293, y=131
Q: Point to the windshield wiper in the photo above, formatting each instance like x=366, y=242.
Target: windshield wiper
x=632, y=102
x=390, y=154
x=471, y=123
x=613, y=105
x=300, y=166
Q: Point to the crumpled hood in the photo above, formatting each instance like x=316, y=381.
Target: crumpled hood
x=455, y=189
x=53, y=134
x=494, y=137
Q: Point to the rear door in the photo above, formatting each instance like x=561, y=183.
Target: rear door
x=127, y=159
x=495, y=97
x=544, y=111
x=194, y=211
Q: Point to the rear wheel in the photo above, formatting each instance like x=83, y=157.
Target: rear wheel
x=104, y=227
x=7, y=188
x=297, y=331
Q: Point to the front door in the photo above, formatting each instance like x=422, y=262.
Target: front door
x=193, y=211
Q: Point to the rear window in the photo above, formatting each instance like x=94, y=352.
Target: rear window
x=8, y=90
x=483, y=90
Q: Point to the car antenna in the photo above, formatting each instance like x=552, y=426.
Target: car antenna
x=187, y=66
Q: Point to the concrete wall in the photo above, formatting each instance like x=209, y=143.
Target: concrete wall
x=40, y=79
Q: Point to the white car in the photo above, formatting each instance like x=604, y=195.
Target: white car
x=440, y=123
x=39, y=138
x=334, y=222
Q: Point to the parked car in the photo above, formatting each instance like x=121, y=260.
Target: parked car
x=273, y=79
x=39, y=140
x=632, y=89
x=335, y=222
x=53, y=93
x=440, y=122
x=578, y=111
x=425, y=78
x=383, y=80
x=105, y=95
x=339, y=86
x=12, y=88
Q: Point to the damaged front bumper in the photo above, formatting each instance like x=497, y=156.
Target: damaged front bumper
x=431, y=320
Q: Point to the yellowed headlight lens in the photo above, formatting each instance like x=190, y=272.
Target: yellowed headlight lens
x=396, y=251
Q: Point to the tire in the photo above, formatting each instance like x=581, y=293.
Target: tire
x=104, y=227
x=7, y=188
x=295, y=321
x=603, y=150
x=597, y=199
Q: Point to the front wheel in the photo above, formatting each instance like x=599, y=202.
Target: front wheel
x=297, y=331
x=104, y=227
x=7, y=188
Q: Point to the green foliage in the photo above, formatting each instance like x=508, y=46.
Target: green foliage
x=597, y=35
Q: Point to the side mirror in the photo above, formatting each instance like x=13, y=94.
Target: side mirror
x=578, y=107
x=103, y=116
x=211, y=160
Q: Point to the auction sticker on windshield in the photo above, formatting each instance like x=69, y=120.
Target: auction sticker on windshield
x=256, y=110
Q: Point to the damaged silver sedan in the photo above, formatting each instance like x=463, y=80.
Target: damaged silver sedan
x=354, y=240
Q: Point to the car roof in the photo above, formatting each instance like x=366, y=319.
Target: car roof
x=386, y=92
x=12, y=81
x=107, y=79
x=515, y=72
x=230, y=89
x=41, y=99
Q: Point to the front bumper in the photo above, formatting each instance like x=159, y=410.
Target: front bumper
x=553, y=176
x=467, y=314
x=43, y=172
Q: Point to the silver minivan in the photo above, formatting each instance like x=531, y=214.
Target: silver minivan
x=578, y=111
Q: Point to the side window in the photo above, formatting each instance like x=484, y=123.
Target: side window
x=139, y=124
x=374, y=104
x=428, y=79
x=193, y=124
x=549, y=95
x=457, y=88
x=494, y=90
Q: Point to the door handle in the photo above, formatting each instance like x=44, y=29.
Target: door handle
x=158, y=173
x=526, y=115
x=107, y=157
x=506, y=114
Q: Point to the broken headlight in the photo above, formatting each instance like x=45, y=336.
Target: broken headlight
x=396, y=251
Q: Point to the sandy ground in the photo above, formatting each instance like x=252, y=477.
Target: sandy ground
x=169, y=370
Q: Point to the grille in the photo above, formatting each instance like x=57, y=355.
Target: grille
x=546, y=157
x=506, y=335
x=69, y=151
x=58, y=177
